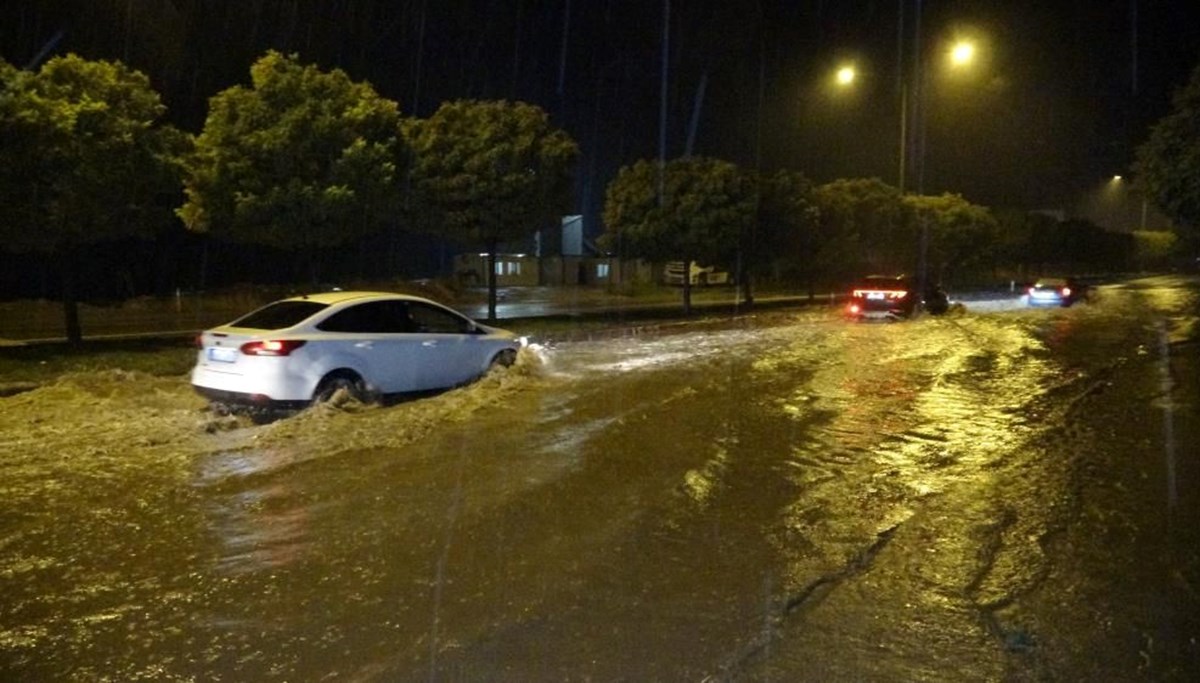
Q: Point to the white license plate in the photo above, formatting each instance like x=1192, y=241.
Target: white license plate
x=222, y=355
x=874, y=295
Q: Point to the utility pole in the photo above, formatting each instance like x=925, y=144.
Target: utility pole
x=662, y=106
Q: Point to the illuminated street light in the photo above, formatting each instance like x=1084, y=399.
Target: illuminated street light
x=962, y=53
x=960, y=56
x=1118, y=184
x=845, y=75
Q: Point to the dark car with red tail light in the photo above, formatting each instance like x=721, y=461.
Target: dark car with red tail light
x=892, y=297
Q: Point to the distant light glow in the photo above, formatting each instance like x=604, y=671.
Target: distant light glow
x=845, y=75
x=962, y=53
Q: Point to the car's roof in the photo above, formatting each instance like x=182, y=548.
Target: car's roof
x=338, y=297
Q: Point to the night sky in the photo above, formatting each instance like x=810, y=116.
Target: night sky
x=1057, y=101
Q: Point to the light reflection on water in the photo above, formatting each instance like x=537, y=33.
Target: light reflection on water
x=259, y=519
x=915, y=410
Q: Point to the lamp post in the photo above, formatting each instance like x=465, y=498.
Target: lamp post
x=960, y=55
x=1119, y=183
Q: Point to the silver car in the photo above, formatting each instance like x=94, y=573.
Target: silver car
x=372, y=344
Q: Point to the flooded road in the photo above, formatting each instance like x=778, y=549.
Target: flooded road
x=996, y=495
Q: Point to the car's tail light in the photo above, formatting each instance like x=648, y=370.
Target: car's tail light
x=199, y=341
x=854, y=308
x=885, y=293
x=1066, y=291
x=271, y=347
x=1032, y=290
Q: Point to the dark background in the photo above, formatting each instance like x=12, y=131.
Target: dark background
x=1061, y=95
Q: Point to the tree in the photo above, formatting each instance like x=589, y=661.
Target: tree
x=85, y=160
x=1168, y=163
x=863, y=225
x=960, y=235
x=705, y=208
x=489, y=172
x=302, y=160
x=785, y=236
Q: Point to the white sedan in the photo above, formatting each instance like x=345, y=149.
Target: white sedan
x=372, y=344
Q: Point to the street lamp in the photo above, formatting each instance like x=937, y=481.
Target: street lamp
x=845, y=75
x=962, y=53
x=1124, y=193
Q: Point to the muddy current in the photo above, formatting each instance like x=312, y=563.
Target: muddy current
x=785, y=496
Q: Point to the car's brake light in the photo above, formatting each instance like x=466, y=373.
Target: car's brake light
x=199, y=341
x=1066, y=291
x=1032, y=290
x=854, y=308
x=885, y=293
x=271, y=347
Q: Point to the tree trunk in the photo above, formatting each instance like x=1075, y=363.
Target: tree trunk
x=70, y=305
x=744, y=281
x=687, y=286
x=491, y=280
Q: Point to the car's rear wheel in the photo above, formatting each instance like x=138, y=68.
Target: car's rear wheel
x=342, y=382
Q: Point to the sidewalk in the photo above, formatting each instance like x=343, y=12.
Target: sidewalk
x=41, y=322
x=26, y=322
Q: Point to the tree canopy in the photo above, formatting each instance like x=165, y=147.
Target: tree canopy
x=301, y=159
x=785, y=234
x=86, y=159
x=85, y=154
x=863, y=225
x=960, y=234
x=489, y=172
x=707, y=205
x=1168, y=163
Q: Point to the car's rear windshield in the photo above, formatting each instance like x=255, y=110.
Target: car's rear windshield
x=278, y=315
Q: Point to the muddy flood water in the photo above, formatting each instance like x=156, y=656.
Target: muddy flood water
x=999, y=494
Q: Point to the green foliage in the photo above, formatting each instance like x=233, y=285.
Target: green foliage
x=85, y=156
x=863, y=226
x=301, y=159
x=85, y=160
x=487, y=172
x=1168, y=163
x=707, y=205
x=961, y=235
x=788, y=218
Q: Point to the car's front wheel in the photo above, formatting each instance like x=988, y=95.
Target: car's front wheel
x=340, y=382
x=505, y=358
